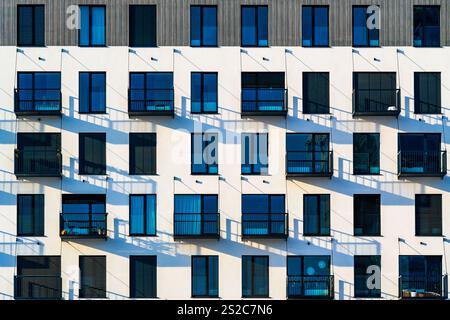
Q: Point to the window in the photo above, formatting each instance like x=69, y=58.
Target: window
x=142, y=276
x=316, y=214
x=255, y=153
x=142, y=215
x=308, y=153
x=205, y=276
x=362, y=35
x=427, y=31
x=309, y=276
x=30, y=215
x=204, y=92
x=427, y=92
x=315, y=26
x=366, y=153
x=263, y=215
x=204, y=153
x=421, y=276
x=255, y=276
x=196, y=215
x=254, y=30
x=30, y=25
x=142, y=26
x=151, y=92
x=92, y=153
x=92, y=31
x=316, y=92
x=203, y=26
x=143, y=153
x=92, y=277
x=92, y=92
x=367, y=276
x=428, y=215
x=38, y=91
x=366, y=215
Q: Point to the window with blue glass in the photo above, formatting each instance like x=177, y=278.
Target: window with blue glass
x=427, y=92
x=151, y=92
x=143, y=276
x=263, y=92
x=309, y=276
x=316, y=214
x=30, y=215
x=203, y=26
x=204, y=92
x=367, y=276
x=196, y=215
x=254, y=26
x=421, y=276
x=92, y=31
x=255, y=153
x=255, y=276
x=142, y=26
x=428, y=215
x=92, y=92
x=316, y=92
x=205, y=276
x=38, y=91
x=366, y=214
x=427, y=30
x=366, y=153
x=142, y=214
x=363, y=36
x=204, y=153
x=420, y=153
x=30, y=25
x=315, y=22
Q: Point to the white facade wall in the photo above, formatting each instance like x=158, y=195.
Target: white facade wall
x=174, y=154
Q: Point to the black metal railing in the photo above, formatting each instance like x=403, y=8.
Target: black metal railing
x=310, y=287
x=426, y=286
x=196, y=225
x=265, y=225
x=38, y=287
x=422, y=163
x=37, y=101
x=151, y=101
x=362, y=163
x=309, y=163
x=383, y=102
x=264, y=101
x=43, y=162
x=83, y=225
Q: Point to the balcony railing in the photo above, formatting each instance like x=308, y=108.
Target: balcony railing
x=309, y=164
x=151, y=102
x=362, y=161
x=265, y=225
x=39, y=102
x=376, y=102
x=264, y=102
x=425, y=287
x=315, y=287
x=37, y=163
x=37, y=287
x=422, y=163
x=83, y=225
x=196, y=225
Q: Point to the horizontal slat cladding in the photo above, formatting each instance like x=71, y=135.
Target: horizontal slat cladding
x=173, y=19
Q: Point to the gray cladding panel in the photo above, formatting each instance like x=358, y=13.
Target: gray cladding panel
x=173, y=20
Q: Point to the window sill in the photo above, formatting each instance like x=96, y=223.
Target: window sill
x=204, y=174
x=429, y=236
x=317, y=235
x=368, y=235
x=143, y=235
x=367, y=174
x=200, y=113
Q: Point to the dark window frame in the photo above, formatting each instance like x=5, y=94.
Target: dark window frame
x=204, y=145
x=33, y=44
x=131, y=155
x=82, y=157
x=355, y=275
x=256, y=26
x=418, y=101
x=144, y=234
x=417, y=217
x=313, y=35
x=90, y=74
x=201, y=7
x=367, y=173
x=367, y=29
x=304, y=90
x=423, y=35
x=207, y=275
x=129, y=26
x=81, y=293
x=202, y=91
x=254, y=172
x=317, y=196
x=133, y=282
x=366, y=195
x=90, y=45
x=253, y=295
x=34, y=233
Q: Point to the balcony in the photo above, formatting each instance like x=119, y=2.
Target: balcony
x=196, y=226
x=151, y=102
x=37, y=163
x=37, y=102
x=264, y=102
x=422, y=163
x=37, y=287
x=310, y=287
x=423, y=287
x=83, y=225
x=265, y=225
x=309, y=164
x=379, y=102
